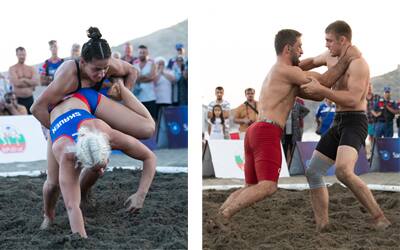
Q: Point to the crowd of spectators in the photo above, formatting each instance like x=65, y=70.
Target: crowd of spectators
x=223, y=122
x=160, y=82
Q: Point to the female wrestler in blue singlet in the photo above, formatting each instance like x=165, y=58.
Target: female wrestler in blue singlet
x=95, y=64
x=66, y=118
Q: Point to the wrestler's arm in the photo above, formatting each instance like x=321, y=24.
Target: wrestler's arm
x=358, y=75
x=330, y=77
x=54, y=93
x=120, y=68
x=314, y=62
x=299, y=77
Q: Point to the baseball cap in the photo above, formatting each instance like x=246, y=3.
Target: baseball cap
x=179, y=46
x=386, y=89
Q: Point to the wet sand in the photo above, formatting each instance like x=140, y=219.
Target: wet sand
x=285, y=221
x=161, y=224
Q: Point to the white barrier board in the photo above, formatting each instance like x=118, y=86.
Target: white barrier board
x=228, y=159
x=21, y=139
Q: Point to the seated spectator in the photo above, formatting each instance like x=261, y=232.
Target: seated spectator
x=216, y=124
x=247, y=112
x=324, y=116
x=10, y=106
x=163, y=84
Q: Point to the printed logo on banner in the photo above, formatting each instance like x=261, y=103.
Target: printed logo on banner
x=384, y=155
x=239, y=162
x=11, y=141
x=174, y=128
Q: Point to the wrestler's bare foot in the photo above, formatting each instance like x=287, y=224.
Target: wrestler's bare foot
x=322, y=226
x=46, y=224
x=226, y=214
x=381, y=223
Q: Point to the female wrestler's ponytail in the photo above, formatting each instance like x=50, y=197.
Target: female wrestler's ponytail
x=95, y=48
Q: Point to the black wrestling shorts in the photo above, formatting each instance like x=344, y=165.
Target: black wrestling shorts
x=27, y=102
x=349, y=128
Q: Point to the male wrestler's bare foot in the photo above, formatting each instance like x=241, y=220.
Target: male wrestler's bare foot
x=46, y=224
x=381, y=223
x=322, y=227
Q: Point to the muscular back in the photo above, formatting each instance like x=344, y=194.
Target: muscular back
x=278, y=94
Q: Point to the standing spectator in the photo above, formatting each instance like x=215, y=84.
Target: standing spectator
x=128, y=53
x=10, y=105
x=226, y=107
x=75, y=52
x=372, y=99
x=180, y=52
x=385, y=109
x=23, y=79
x=144, y=88
x=293, y=131
x=324, y=116
x=51, y=65
x=163, y=84
x=116, y=55
x=216, y=124
x=247, y=112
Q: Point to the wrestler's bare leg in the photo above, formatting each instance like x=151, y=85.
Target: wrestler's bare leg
x=138, y=123
x=51, y=188
x=231, y=198
x=69, y=185
x=250, y=195
x=345, y=163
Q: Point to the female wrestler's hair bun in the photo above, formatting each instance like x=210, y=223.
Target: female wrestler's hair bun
x=94, y=33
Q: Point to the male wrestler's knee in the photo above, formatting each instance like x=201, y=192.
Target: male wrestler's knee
x=343, y=174
x=149, y=128
x=315, y=171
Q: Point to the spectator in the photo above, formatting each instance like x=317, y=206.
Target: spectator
x=180, y=52
x=51, y=65
x=23, y=79
x=247, y=112
x=219, y=93
x=144, y=88
x=293, y=130
x=163, y=84
x=324, y=116
x=216, y=124
x=385, y=110
x=116, y=55
x=128, y=53
x=10, y=106
x=372, y=99
x=75, y=52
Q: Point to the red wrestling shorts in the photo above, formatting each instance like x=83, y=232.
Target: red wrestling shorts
x=263, y=156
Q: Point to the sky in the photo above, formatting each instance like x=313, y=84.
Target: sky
x=32, y=24
x=236, y=40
